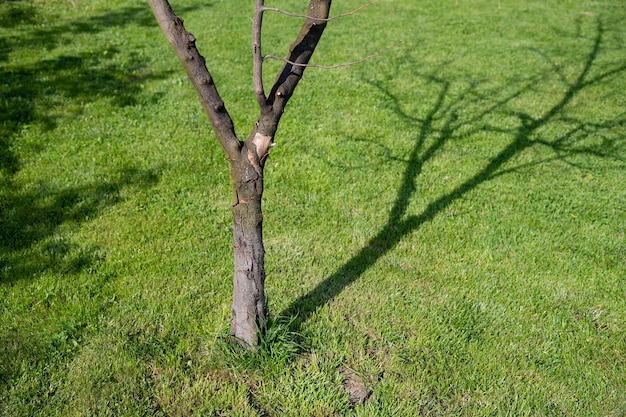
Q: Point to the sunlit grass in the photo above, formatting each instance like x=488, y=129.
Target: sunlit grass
x=445, y=223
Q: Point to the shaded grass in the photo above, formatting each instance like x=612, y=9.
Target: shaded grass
x=445, y=222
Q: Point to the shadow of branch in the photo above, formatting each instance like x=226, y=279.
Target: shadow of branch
x=442, y=124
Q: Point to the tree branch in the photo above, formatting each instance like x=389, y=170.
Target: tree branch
x=300, y=53
x=184, y=45
x=261, y=138
x=257, y=57
x=281, y=11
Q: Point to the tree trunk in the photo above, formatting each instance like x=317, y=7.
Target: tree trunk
x=248, y=308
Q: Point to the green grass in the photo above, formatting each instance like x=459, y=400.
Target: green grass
x=446, y=222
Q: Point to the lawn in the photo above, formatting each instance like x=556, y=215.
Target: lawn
x=445, y=224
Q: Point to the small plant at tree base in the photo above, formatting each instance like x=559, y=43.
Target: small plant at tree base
x=277, y=346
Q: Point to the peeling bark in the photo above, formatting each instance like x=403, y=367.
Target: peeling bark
x=248, y=307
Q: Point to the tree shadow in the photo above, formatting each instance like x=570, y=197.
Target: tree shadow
x=47, y=36
x=33, y=240
x=29, y=220
x=444, y=123
x=43, y=90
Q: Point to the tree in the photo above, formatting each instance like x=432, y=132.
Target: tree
x=247, y=158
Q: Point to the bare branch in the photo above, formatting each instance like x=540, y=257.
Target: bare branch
x=318, y=19
x=344, y=64
x=300, y=52
x=272, y=106
x=184, y=45
x=257, y=57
